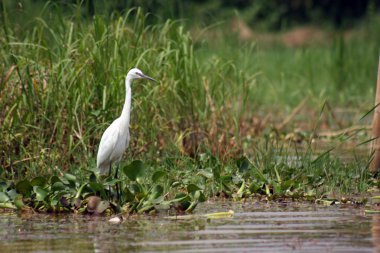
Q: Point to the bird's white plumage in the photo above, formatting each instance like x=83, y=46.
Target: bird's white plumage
x=112, y=146
x=115, y=139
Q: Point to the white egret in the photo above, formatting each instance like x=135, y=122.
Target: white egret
x=115, y=139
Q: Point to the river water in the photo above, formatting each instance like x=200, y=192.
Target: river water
x=254, y=227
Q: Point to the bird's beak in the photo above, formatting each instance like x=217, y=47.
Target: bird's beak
x=147, y=77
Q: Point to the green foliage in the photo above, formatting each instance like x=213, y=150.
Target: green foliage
x=275, y=14
x=135, y=170
x=307, y=177
x=62, y=84
x=68, y=86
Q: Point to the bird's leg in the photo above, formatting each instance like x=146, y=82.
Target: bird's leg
x=117, y=185
x=117, y=169
x=109, y=187
x=109, y=173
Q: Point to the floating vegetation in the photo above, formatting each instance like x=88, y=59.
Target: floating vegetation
x=180, y=184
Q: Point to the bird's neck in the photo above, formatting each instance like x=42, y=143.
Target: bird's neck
x=126, y=113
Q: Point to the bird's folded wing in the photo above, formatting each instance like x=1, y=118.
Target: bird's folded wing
x=107, y=145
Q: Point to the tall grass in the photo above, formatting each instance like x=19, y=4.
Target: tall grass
x=63, y=83
x=343, y=71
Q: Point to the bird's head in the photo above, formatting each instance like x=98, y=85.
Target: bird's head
x=135, y=73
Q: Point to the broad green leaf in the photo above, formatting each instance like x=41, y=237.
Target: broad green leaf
x=135, y=188
x=135, y=170
x=175, y=184
x=38, y=181
x=12, y=194
x=58, y=186
x=40, y=193
x=198, y=196
x=64, y=180
x=157, y=175
x=70, y=177
x=128, y=195
x=156, y=192
x=195, y=195
x=24, y=187
x=3, y=197
x=54, y=202
x=3, y=185
x=242, y=164
x=54, y=179
x=96, y=186
x=180, y=197
x=202, y=197
x=192, y=206
x=193, y=188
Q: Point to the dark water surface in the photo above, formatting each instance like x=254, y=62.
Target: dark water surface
x=254, y=227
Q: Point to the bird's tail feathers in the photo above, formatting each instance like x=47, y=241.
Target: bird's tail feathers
x=103, y=169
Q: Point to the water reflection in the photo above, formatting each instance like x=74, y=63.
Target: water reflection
x=375, y=231
x=254, y=228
